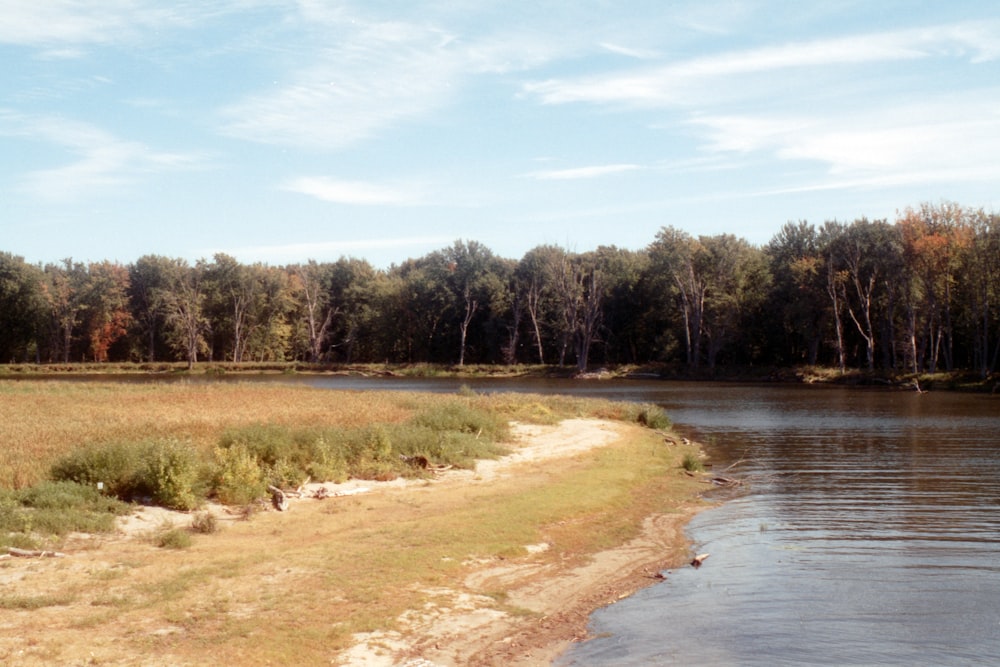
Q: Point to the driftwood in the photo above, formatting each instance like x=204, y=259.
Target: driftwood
x=698, y=560
x=278, y=498
x=33, y=553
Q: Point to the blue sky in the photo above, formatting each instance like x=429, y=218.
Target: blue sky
x=282, y=131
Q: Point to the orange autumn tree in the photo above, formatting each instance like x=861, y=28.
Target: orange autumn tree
x=934, y=240
x=107, y=315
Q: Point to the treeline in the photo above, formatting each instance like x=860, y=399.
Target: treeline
x=919, y=294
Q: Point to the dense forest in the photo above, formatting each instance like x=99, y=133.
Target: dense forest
x=920, y=294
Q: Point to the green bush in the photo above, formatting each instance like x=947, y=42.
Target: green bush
x=170, y=474
x=239, y=478
x=114, y=465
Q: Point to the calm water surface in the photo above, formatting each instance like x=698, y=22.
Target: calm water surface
x=870, y=535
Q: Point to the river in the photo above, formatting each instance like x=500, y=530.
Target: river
x=868, y=531
x=869, y=534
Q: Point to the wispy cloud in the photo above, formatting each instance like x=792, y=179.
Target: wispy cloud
x=60, y=22
x=683, y=82
x=957, y=139
x=101, y=159
x=582, y=172
x=354, y=192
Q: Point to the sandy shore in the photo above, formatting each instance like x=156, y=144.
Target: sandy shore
x=145, y=606
x=466, y=628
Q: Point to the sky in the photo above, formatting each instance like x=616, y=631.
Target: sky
x=280, y=131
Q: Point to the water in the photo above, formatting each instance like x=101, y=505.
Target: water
x=870, y=534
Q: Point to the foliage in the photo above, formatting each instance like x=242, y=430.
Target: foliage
x=166, y=471
x=58, y=508
x=692, y=463
x=916, y=294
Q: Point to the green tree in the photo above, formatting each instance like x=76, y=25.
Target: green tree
x=22, y=308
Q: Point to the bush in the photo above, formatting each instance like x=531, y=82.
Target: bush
x=239, y=479
x=170, y=474
x=114, y=465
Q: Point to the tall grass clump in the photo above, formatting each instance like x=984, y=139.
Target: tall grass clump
x=57, y=509
x=649, y=415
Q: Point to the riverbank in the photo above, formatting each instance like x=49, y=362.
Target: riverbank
x=495, y=565
x=959, y=380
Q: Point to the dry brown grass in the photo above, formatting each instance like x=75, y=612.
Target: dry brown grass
x=42, y=420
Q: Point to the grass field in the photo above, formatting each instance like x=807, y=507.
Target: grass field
x=283, y=588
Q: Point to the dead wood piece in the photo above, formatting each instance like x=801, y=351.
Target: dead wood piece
x=416, y=461
x=698, y=560
x=726, y=481
x=278, y=498
x=34, y=553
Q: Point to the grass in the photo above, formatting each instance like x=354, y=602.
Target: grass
x=300, y=583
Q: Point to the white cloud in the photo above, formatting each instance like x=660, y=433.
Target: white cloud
x=952, y=140
x=582, y=172
x=687, y=81
x=73, y=22
x=101, y=159
x=354, y=192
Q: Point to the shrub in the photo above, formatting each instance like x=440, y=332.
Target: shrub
x=170, y=474
x=114, y=465
x=239, y=479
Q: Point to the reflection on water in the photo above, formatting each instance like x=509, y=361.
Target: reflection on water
x=870, y=535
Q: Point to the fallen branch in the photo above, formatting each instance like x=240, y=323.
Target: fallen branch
x=33, y=553
x=698, y=560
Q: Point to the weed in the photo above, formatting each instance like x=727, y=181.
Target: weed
x=173, y=538
x=171, y=473
x=692, y=463
x=205, y=523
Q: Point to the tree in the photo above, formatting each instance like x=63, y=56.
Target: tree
x=22, y=308
x=311, y=283
x=106, y=306
x=934, y=239
x=673, y=259
x=736, y=280
x=149, y=280
x=183, y=302
x=472, y=276
x=63, y=292
x=798, y=292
